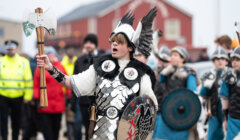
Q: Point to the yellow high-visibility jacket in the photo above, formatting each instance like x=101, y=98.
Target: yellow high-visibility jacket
x=15, y=77
x=69, y=67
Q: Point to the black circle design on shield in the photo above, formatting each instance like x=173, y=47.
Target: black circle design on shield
x=181, y=109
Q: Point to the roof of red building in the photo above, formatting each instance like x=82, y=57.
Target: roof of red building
x=89, y=10
x=101, y=8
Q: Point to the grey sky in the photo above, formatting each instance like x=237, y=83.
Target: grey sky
x=211, y=18
x=13, y=9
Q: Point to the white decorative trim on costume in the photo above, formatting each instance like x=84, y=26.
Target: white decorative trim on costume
x=108, y=66
x=235, y=55
x=75, y=89
x=130, y=73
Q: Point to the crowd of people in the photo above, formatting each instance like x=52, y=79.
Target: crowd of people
x=99, y=79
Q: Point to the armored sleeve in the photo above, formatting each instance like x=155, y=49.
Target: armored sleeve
x=146, y=88
x=208, y=79
x=84, y=83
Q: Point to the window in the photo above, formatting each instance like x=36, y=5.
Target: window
x=172, y=29
x=1, y=32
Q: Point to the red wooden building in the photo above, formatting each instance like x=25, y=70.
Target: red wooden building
x=102, y=17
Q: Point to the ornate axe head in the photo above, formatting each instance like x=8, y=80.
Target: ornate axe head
x=47, y=20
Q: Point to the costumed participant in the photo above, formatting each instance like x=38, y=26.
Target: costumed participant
x=113, y=79
x=163, y=56
x=175, y=76
x=225, y=42
x=211, y=81
x=230, y=94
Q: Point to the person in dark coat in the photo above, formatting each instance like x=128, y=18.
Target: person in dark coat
x=83, y=62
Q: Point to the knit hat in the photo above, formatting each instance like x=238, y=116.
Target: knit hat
x=220, y=53
x=182, y=51
x=92, y=38
x=236, y=53
x=164, y=53
x=50, y=49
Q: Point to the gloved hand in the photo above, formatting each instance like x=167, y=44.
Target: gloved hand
x=168, y=70
x=229, y=77
x=208, y=79
x=207, y=75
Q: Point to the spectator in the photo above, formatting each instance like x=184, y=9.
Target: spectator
x=15, y=88
x=203, y=56
x=82, y=64
x=50, y=117
x=68, y=64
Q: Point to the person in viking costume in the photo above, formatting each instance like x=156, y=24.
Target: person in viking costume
x=211, y=81
x=230, y=95
x=113, y=79
x=163, y=56
x=225, y=42
x=175, y=76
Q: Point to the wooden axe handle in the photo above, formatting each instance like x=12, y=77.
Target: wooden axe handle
x=43, y=87
x=92, y=121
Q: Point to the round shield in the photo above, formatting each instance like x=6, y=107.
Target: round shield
x=138, y=120
x=181, y=109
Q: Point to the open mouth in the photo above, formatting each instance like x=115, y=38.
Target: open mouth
x=114, y=50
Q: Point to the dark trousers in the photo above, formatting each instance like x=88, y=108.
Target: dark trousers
x=30, y=122
x=50, y=125
x=78, y=122
x=12, y=106
x=85, y=116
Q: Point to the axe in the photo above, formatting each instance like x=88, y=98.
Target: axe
x=39, y=21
